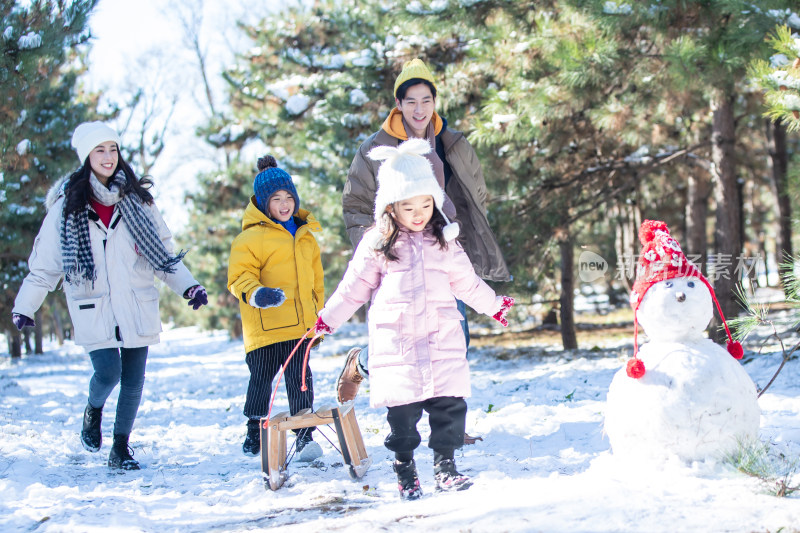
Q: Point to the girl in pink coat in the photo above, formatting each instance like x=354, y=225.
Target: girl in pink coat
x=411, y=269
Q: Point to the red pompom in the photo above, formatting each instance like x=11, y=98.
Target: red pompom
x=647, y=231
x=635, y=368
x=735, y=349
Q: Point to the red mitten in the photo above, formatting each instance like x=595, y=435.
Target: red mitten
x=322, y=328
x=503, y=304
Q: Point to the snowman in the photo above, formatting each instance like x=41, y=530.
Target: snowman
x=681, y=394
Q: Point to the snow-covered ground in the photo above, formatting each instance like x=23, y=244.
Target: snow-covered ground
x=543, y=464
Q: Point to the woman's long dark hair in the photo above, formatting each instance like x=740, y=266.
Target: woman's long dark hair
x=437, y=222
x=78, y=191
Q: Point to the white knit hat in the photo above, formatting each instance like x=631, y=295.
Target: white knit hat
x=406, y=173
x=90, y=134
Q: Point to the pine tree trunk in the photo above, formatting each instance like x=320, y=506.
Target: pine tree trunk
x=754, y=232
x=235, y=329
x=698, y=193
x=14, y=344
x=57, y=325
x=568, y=336
x=26, y=338
x=778, y=162
x=626, y=242
x=38, y=341
x=762, y=250
x=727, y=234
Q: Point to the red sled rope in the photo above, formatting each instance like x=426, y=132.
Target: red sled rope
x=303, y=387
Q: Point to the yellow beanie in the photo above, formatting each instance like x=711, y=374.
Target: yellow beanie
x=411, y=70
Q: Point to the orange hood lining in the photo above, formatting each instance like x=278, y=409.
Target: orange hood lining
x=393, y=125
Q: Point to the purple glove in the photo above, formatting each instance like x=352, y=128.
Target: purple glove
x=197, y=296
x=22, y=321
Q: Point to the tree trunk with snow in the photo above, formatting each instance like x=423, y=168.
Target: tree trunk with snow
x=778, y=162
x=626, y=241
x=38, y=341
x=698, y=193
x=568, y=336
x=14, y=344
x=727, y=234
x=58, y=328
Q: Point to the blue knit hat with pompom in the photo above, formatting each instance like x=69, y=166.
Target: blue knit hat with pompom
x=270, y=180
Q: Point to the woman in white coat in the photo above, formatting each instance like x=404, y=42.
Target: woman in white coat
x=105, y=237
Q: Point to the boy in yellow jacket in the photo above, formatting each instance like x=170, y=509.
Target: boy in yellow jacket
x=275, y=272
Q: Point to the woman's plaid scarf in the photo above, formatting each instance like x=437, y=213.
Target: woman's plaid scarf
x=76, y=249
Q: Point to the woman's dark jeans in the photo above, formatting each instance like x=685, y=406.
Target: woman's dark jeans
x=126, y=367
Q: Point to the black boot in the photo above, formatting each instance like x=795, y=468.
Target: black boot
x=448, y=478
x=252, y=442
x=121, y=456
x=407, y=480
x=91, y=435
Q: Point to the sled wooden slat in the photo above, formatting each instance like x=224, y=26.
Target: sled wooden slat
x=359, y=466
x=273, y=447
x=350, y=440
x=273, y=440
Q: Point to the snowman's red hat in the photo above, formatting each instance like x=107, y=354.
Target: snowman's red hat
x=661, y=259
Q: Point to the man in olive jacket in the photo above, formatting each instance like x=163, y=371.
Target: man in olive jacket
x=455, y=166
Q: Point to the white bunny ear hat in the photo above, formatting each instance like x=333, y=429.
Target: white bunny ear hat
x=405, y=173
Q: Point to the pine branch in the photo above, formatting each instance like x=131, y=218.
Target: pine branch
x=613, y=165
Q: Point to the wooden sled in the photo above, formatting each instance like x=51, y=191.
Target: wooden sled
x=273, y=440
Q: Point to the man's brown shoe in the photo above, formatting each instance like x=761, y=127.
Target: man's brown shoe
x=469, y=439
x=350, y=378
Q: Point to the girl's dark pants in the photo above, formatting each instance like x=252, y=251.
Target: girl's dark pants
x=447, y=416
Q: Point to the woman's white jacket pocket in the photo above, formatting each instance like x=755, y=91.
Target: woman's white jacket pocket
x=148, y=319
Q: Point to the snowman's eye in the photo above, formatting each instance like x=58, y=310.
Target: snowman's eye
x=691, y=284
x=668, y=284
